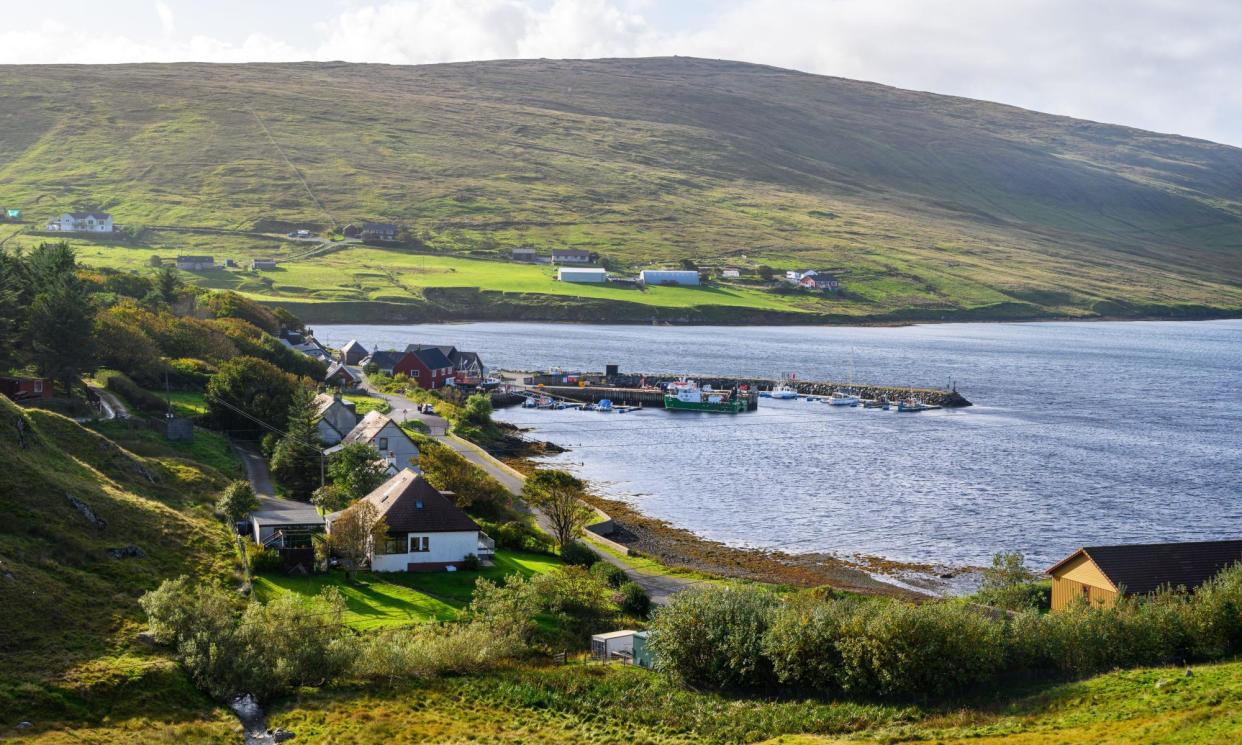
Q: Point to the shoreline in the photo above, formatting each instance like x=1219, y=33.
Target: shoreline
x=859, y=324
x=681, y=548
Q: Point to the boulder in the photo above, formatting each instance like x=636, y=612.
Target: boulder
x=127, y=552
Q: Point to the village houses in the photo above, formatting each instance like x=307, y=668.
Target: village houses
x=383, y=434
x=82, y=222
x=337, y=417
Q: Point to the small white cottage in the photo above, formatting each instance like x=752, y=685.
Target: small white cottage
x=426, y=530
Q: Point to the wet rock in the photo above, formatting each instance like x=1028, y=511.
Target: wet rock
x=127, y=552
x=24, y=725
x=146, y=639
x=87, y=512
x=280, y=734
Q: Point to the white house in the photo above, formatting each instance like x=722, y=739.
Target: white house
x=572, y=256
x=337, y=417
x=82, y=222
x=594, y=276
x=730, y=274
x=384, y=435
x=668, y=277
x=426, y=530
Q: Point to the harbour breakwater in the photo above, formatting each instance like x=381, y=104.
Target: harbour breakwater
x=629, y=388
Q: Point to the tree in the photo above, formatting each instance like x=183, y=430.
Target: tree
x=355, y=534
x=12, y=310
x=246, y=389
x=297, y=460
x=446, y=470
x=357, y=469
x=237, y=500
x=331, y=498
x=123, y=346
x=48, y=264
x=155, y=261
x=61, y=330
x=689, y=265
x=168, y=282
x=558, y=496
x=766, y=273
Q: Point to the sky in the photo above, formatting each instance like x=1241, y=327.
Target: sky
x=1164, y=65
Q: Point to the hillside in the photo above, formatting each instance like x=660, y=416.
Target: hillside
x=930, y=206
x=70, y=496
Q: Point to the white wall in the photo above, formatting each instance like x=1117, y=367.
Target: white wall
x=445, y=548
x=680, y=277
x=399, y=444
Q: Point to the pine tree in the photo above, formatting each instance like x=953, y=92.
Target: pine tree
x=297, y=459
x=12, y=310
x=62, y=322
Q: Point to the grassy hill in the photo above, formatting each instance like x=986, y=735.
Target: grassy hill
x=67, y=632
x=931, y=206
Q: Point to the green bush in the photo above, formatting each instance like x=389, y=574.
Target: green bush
x=264, y=560
x=470, y=563
x=134, y=394
x=578, y=554
x=517, y=535
x=609, y=574
x=893, y=648
x=714, y=637
x=633, y=599
x=185, y=373
x=802, y=641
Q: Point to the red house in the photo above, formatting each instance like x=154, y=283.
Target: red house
x=24, y=389
x=428, y=367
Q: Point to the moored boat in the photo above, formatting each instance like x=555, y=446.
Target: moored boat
x=841, y=398
x=686, y=395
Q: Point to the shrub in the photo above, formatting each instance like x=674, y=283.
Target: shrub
x=138, y=397
x=609, y=574
x=426, y=650
x=1009, y=584
x=633, y=599
x=714, y=637
x=470, y=563
x=578, y=554
x=185, y=373
x=518, y=535
x=892, y=648
x=802, y=641
x=264, y=560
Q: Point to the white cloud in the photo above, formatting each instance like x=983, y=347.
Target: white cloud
x=1149, y=63
x=167, y=22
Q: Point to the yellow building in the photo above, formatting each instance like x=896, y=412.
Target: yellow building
x=1101, y=574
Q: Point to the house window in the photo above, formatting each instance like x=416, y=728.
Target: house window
x=392, y=546
x=38, y=386
x=415, y=373
x=420, y=544
x=383, y=443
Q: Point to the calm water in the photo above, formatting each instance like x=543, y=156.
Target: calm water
x=1082, y=433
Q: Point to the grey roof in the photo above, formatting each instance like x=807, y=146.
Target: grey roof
x=432, y=357
x=352, y=344
x=378, y=227
x=465, y=359
x=386, y=358
x=337, y=367
x=277, y=511
x=446, y=349
x=1142, y=568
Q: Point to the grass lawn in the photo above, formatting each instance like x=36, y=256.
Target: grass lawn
x=380, y=600
x=366, y=404
x=186, y=403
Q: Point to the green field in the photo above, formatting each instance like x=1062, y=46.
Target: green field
x=1011, y=214
x=379, y=600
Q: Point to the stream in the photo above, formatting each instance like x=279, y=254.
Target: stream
x=253, y=719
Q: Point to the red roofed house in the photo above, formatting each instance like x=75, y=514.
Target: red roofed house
x=426, y=366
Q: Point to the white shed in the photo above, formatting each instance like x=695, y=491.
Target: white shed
x=595, y=276
x=605, y=646
x=682, y=277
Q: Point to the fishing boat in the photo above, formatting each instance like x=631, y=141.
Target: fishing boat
x=841, y=398
x=912, y=405
x=686, y=395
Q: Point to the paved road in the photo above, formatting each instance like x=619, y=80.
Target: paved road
x=658, y=587
x=257, y=473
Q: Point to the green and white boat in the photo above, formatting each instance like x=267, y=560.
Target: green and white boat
x=686, y=395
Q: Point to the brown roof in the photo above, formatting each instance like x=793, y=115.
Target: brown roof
x=367, y=429
x=411, y=505
x=1143, y=568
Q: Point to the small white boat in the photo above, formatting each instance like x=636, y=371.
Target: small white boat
x=841, y=398
x=783, y=391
